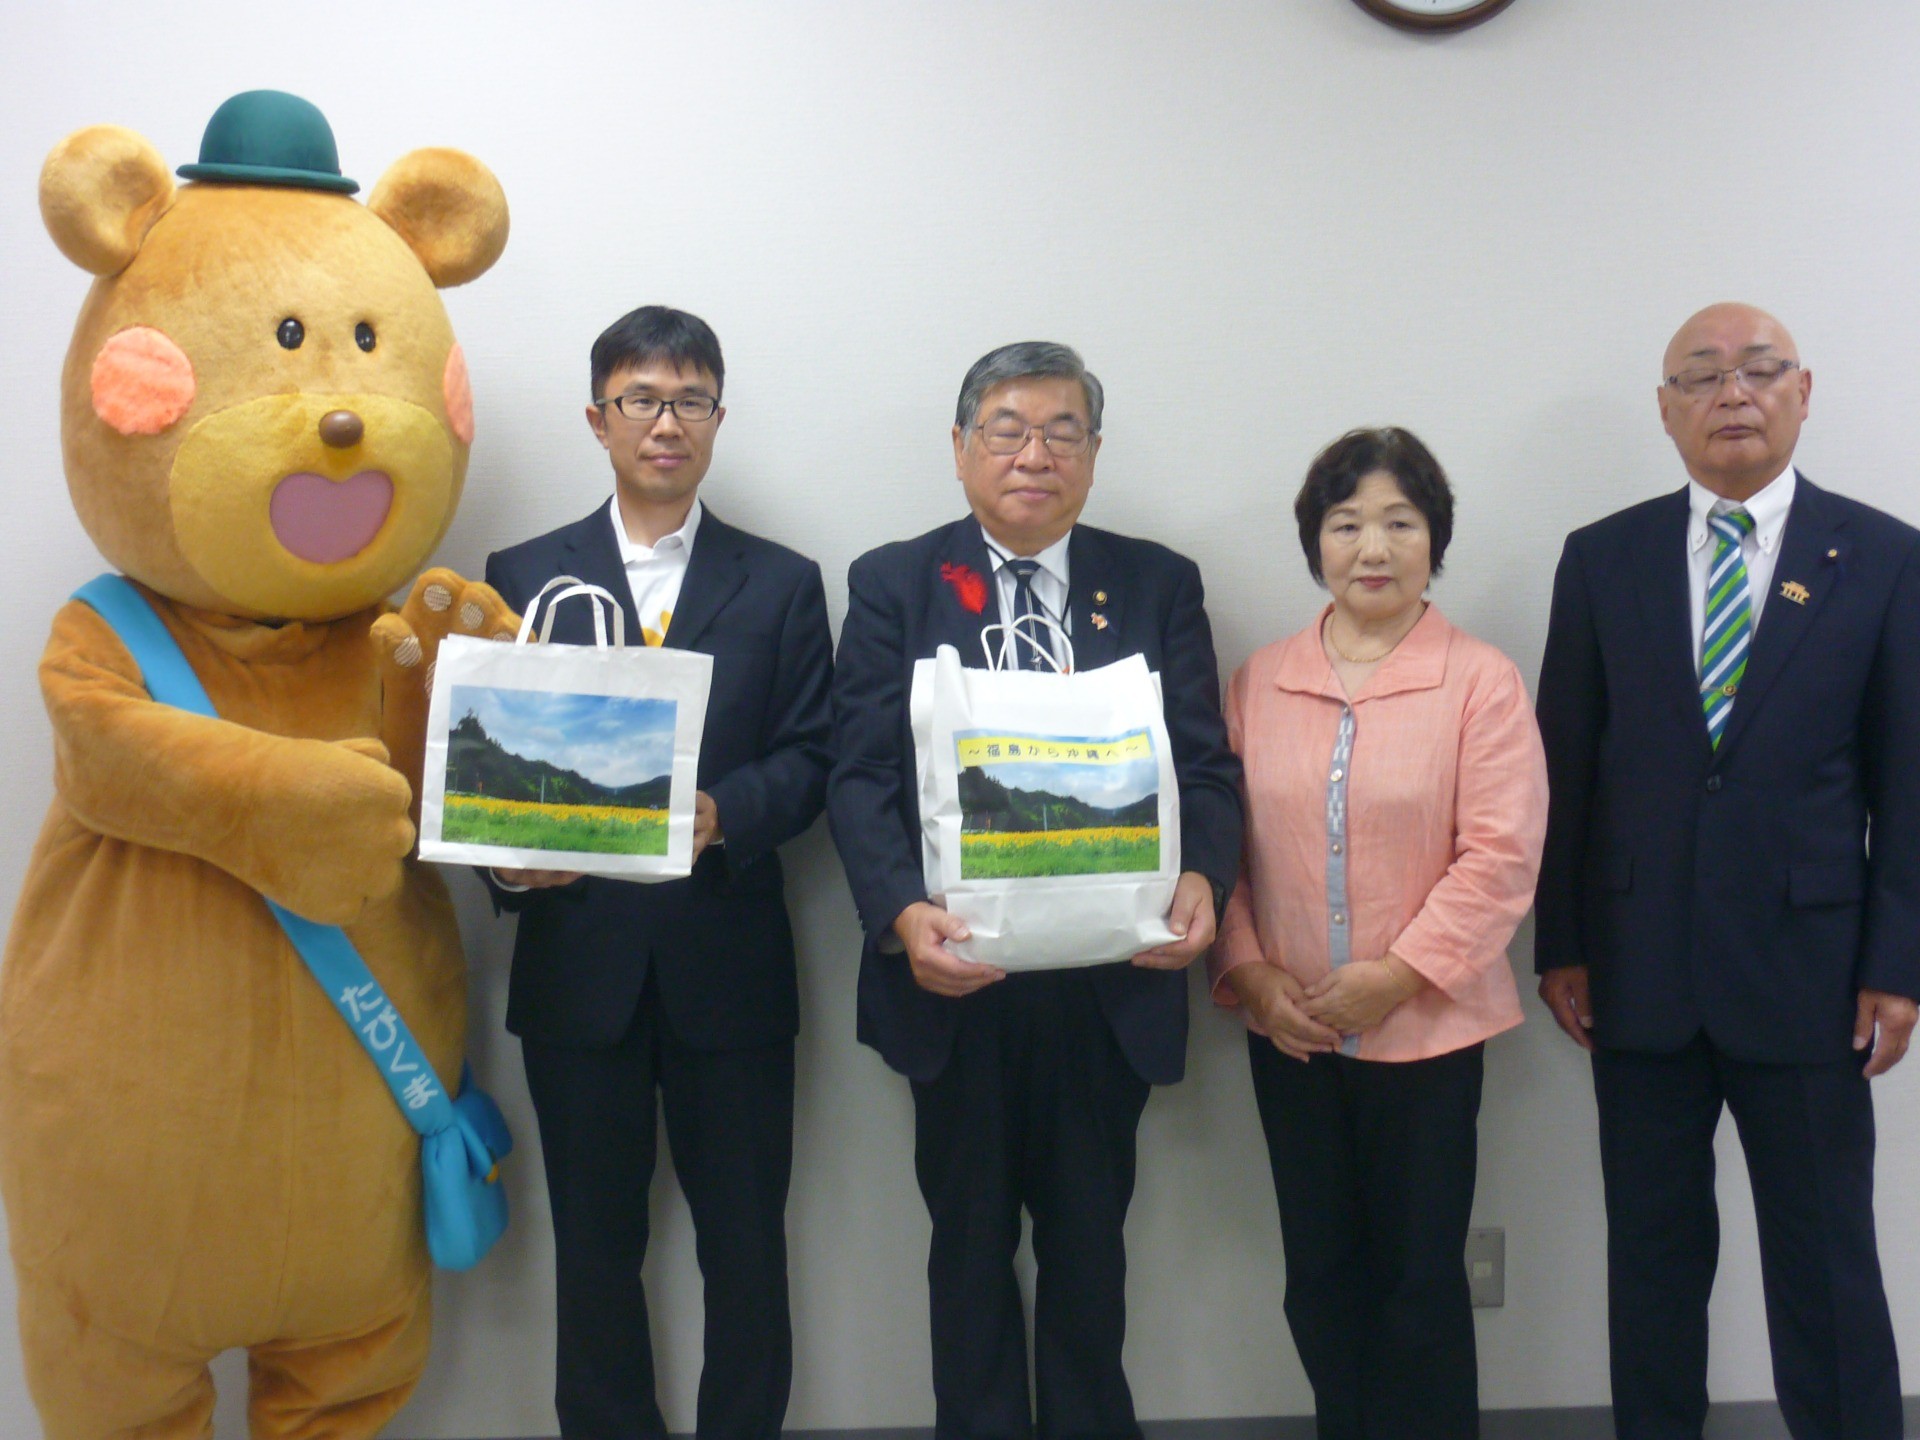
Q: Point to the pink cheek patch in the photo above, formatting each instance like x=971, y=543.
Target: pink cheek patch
x=459, y=395
x=142, y=382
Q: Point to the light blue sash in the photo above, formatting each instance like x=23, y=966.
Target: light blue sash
x=461, y=1139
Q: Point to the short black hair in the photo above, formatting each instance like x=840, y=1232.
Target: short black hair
x=1337, y=471
x=655, y=333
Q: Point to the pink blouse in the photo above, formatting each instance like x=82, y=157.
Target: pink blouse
x=1432, y=813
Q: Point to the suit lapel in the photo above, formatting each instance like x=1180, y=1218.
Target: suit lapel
x=1666, y=609
x=716, y=570
x=963, y=553
x=592, y=555
x=1096, y=600
x=1805, y=573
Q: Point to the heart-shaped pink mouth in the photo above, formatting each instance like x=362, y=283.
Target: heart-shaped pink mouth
x=326, y=520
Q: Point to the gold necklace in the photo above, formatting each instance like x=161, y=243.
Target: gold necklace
x=1357, y=659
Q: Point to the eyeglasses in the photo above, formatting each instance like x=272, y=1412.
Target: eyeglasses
x=1754, y=374
x=1009, y=438
x=645, y=409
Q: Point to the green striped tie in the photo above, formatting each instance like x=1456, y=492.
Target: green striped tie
x=1729, y=622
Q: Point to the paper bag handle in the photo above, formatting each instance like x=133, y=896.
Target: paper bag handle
x=999, y=657
x=575, y=586
x=526, y=620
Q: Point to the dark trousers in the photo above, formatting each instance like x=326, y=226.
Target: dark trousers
x=1373, y=1165
x=729, y=1117
x=1808, y=1135
x=1037, y=1108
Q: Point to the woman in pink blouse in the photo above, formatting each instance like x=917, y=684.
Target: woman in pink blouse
x=1396, y=801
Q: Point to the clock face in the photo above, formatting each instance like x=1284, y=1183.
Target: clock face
x=1433, y=14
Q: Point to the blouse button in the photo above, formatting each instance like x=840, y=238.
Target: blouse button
x=1338, y=775
x=1339, y=917
x=1338, y=847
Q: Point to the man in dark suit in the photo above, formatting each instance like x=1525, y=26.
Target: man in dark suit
x=1731, y=701
x=686, y=988
x=1027, y=1088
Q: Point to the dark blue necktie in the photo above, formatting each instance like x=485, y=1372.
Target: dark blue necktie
x=1028, y=639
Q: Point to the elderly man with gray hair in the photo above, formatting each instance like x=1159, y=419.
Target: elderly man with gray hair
x=1027, y=1088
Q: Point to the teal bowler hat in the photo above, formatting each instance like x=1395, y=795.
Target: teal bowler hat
x=268, y=137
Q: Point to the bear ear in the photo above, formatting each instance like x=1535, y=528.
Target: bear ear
x=100, y=192
x=448, y=207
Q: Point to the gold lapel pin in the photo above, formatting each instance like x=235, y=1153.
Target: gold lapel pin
x=1833, y=554
x=1099, y=597
x=1793, y=590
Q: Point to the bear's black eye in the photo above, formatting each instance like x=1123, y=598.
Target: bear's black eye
x=290, y=334
x=363, y=336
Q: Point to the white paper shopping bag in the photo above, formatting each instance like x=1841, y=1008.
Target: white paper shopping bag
x=564, y=757
x=1049, y=807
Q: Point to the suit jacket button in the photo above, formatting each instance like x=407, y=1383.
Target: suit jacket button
x=1713, y=784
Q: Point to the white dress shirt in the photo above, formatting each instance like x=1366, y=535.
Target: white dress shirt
x=655, y=573
x=1049, y=592
x=1768, y=507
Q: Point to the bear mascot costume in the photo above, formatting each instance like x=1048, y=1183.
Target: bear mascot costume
x=265, y=425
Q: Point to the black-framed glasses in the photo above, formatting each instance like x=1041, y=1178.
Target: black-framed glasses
x=645, y=409
x=1698, y=380
x=1009, y=437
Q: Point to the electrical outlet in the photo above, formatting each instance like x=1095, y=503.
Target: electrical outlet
x=1487, y=1267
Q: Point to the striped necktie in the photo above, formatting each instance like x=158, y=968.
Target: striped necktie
x=1729, y=622
x=1028, y=638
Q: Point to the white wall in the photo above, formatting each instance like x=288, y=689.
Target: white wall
x=1263, y=223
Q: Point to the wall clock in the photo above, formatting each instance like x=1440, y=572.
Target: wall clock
x=1433, y=14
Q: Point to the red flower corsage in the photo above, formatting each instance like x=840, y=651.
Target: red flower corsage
x=968, y=587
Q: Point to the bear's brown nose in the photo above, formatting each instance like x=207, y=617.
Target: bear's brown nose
x=341, y=428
